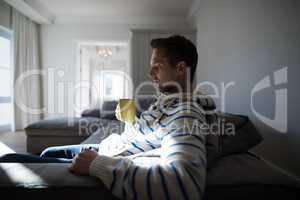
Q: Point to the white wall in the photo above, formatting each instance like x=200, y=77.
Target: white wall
x=5, y=15
x=59, y=46
x=244, y=41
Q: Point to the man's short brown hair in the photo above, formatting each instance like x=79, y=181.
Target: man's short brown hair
x=178, y=49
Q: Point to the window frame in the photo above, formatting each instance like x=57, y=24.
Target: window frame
x=8, y=34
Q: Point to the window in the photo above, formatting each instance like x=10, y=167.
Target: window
x=6, y=90
x=110, y=84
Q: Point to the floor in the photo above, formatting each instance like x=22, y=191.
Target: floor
x=13, y=142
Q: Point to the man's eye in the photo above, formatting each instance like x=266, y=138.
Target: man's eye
x=158, y=65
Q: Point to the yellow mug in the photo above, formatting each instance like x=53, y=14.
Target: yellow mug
x=127, y=110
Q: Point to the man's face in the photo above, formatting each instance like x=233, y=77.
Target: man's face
x=162, y=72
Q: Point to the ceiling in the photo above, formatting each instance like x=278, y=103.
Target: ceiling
x=117, y=7
x=64, y=11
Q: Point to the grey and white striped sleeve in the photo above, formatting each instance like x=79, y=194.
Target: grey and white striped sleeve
x=180, y=173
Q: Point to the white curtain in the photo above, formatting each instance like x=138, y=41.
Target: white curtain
x=27, y=93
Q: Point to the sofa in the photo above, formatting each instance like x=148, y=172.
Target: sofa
x=233, y=171
x=66, y=130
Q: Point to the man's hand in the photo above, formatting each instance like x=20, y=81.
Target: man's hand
x=82, y=161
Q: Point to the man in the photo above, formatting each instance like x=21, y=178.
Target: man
x=166, y=159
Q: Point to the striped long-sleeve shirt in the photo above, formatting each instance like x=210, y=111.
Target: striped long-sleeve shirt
x=165, y=155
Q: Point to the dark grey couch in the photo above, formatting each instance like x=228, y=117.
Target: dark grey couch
x=233, y=172
x=65, y=130
x=237, y=176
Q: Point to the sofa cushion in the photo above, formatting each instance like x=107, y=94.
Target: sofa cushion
x=64, y=126
x=48, y=181
x=246, y=137
x=231, y=134
x=107, y=110
x=91, y=113
x=60, y=131
x=42, y=175
x=252, y=178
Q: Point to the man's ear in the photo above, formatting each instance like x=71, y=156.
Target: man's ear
x=181, y=69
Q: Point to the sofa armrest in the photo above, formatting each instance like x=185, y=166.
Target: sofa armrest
x=59, y=131
x=35, y=180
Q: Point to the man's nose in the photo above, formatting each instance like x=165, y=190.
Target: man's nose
x=152, y=73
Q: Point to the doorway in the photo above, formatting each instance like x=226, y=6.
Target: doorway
x=103, y=74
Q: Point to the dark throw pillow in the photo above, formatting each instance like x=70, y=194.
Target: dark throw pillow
x=108, y=110
x=91, y=113
x=241, y=137
x=245, y=137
